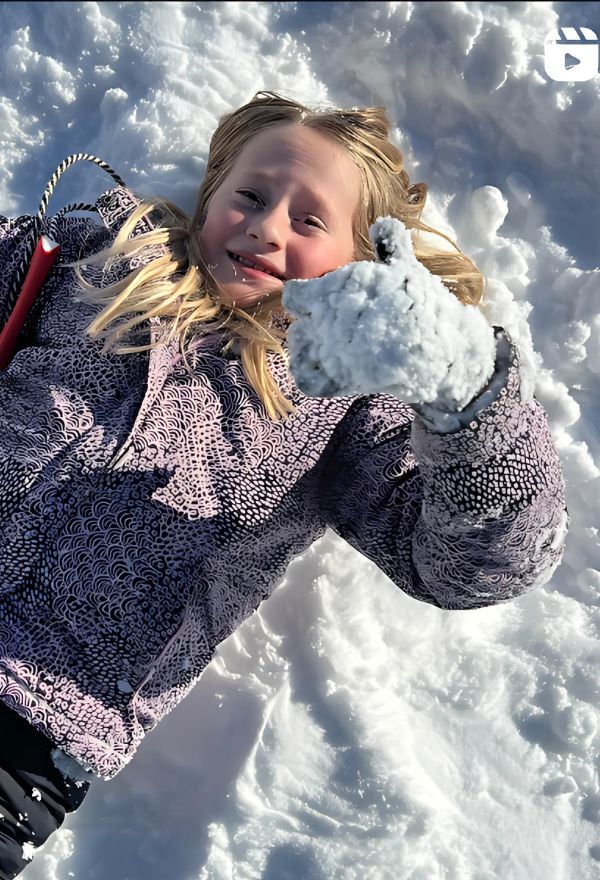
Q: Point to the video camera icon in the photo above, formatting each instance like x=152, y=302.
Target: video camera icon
x=571, y=54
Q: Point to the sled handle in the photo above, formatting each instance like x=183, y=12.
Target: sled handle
x=43, y=258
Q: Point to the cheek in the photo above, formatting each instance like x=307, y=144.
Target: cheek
x=331, y=258
x=219, y=225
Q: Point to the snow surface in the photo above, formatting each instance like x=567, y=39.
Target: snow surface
x=345, y=730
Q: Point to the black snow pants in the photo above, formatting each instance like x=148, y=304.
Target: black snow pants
x=34, y=794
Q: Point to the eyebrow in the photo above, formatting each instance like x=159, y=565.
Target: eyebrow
x=323, y=206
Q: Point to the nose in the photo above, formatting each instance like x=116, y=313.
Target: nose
x=269, y=224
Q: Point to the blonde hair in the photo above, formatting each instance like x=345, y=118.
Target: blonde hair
x=179, y=284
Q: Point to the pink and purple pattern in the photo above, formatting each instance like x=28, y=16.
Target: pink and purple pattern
x=145, y=513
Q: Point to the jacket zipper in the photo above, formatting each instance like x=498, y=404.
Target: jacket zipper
x=157, y=660
x=121, y=454
x=120, y=457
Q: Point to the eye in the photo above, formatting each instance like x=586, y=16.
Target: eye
x=250, y=194
x=244, y=192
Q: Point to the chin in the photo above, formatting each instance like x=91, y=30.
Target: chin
x=247, y=298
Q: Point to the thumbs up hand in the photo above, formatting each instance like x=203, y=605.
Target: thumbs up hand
x=387, y=326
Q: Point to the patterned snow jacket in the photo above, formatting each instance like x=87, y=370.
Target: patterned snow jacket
x=146, y=512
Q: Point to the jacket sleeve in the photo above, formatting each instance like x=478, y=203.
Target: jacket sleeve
x=15, y=232
x=78, y=237
x=459, y=519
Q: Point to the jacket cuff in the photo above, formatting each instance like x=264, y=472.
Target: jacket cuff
x=440, y=422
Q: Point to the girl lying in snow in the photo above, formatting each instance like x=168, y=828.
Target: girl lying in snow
x=192, y=410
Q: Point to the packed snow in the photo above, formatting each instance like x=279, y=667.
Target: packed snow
x=388, y=326
x=347, y=731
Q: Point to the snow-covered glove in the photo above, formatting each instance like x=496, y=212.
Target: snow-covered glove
x=387, y=326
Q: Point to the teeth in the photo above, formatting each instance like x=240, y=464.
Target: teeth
x=246, y=262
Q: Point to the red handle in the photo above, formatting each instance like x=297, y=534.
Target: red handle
x=44, y=255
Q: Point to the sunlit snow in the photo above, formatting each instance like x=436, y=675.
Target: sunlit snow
x=347, y=731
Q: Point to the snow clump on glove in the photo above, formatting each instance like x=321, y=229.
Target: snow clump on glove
x=387, y=326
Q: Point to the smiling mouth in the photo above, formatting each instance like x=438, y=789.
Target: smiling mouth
x=237, y=261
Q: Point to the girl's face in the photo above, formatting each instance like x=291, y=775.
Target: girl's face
x=288, y=200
